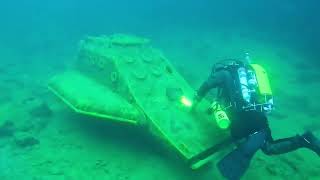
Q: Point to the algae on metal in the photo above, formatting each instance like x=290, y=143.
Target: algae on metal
x=125, y=40
x=123, y=78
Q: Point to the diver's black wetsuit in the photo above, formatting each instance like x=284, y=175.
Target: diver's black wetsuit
x=245, y=123
x=249, y=125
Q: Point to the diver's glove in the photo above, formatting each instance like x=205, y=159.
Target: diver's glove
x=196, y=100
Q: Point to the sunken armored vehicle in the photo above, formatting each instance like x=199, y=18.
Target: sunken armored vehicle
x=122, y=78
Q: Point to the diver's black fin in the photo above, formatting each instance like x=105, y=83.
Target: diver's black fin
x=234, y=165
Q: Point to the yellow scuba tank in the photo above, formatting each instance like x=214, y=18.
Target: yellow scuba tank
x=263, y=80
x=264, y=88
x=220, y=116
x=259, y=86
x=260, y=76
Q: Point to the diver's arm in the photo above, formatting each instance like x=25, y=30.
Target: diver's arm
x=214, y=80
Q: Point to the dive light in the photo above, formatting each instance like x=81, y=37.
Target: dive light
x=185, y=101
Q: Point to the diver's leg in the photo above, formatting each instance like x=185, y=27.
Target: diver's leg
x=282, y=145
x=311, y=142
x=307, y=140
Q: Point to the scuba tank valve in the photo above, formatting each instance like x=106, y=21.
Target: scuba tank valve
x=247, y=59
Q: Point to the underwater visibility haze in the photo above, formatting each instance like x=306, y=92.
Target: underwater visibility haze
x=110, y=89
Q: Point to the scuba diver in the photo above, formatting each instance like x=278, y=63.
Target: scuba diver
x=244, y=94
